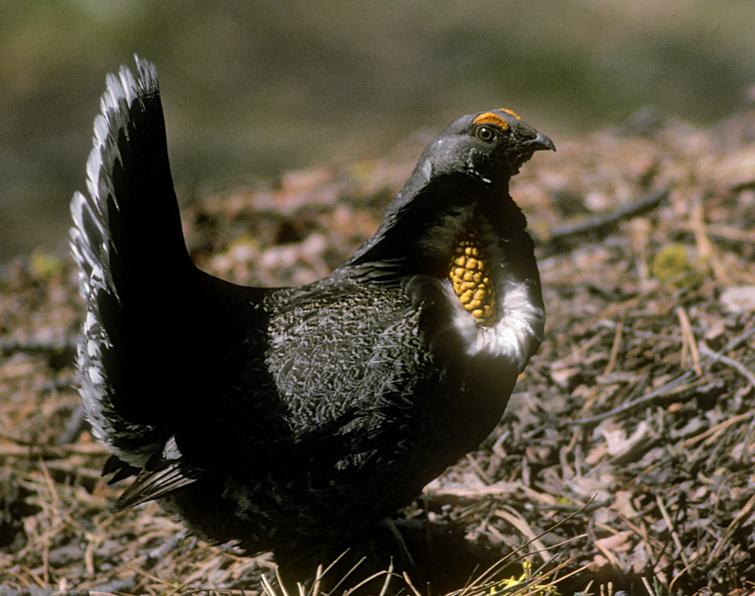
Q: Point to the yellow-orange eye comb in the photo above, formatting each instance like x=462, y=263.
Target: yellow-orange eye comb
x=491, y=118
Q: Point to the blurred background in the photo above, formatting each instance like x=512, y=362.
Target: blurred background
x=254, y=88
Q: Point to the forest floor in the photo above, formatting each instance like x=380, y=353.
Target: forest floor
x=624, y=462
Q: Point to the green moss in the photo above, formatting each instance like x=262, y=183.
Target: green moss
x=526, y=580
x=672, y=266
x=44, y=265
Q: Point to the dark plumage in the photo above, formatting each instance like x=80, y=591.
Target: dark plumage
x=289, y=418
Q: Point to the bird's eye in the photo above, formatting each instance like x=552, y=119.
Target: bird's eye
x=485, y=133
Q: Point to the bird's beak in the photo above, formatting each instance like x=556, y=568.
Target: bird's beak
x=541, y=142
x=530, y=139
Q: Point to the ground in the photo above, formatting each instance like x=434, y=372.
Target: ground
x=624, y=461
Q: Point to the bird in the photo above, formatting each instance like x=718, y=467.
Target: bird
x=288, y=418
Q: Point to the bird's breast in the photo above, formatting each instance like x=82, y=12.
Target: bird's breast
x=495, y=311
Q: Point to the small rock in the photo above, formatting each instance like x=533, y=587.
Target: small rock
x=738, y=299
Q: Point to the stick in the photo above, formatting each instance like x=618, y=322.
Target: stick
x=661, y=391
x=52, y=345
x=735, y=364
x=599, y=223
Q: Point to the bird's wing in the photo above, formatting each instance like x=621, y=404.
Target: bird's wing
x=348, y=347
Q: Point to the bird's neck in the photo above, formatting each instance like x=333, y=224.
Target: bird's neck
x=423, y=228
x=486, y=268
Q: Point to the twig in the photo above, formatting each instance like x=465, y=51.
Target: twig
x=705, y=246
x=335, y=561
x=24, y=448
x=348, y=573
x=615, y=347
x=267, y=587
x=478, y=468
x=689, y=338
x=318, y=581
x=495, y=567
x=676, y=578
x=409, y=583
x=524, y=528
x=536, y=583
x=600, y=223
x=388, y=577
x=734, y=342
x=646, y=583
x=124, y=584
x=74, y=426
x=157, y=554
x=642, y=532
x=403, y=548
x=718, y=428
x=729, y=532
x=662, y=391
x=724, y=232
x=358, y=587
x=672, y=529
x=37, y=345
x=736, y=365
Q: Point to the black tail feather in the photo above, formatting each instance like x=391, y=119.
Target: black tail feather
x=134, y=266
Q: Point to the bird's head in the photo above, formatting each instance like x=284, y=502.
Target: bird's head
x=460, y=182
x=490, y=145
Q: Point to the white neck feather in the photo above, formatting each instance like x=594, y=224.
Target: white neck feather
x=519, y=325
x=516, y=332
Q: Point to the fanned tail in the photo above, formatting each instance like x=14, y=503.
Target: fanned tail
x=133, y=268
